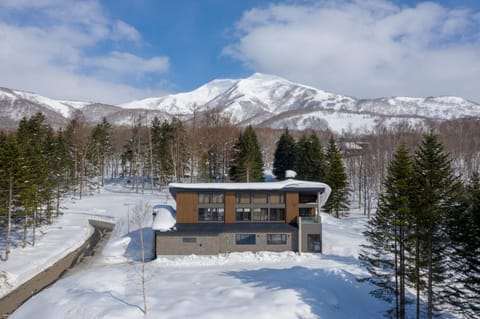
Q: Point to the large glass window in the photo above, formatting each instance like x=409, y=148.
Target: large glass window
x=276, y=198
x=260, y=214
x=217, y=198
x=211, y=214
x=210, y=198
x=304, y=198
x=245, y=239
x=243, y=214
x=242, y=198
x=305, y=212
x=260, y=198
x=260, y=206
x=276, y=239
x=277, y=214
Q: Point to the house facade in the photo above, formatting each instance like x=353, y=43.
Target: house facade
x=232, y=217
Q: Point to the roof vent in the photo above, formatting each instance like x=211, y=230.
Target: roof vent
x=289, y=174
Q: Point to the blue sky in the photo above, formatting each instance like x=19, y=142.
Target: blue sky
x=115, y=51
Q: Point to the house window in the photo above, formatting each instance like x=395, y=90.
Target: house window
x=210, y=198
x=314, y=243
x=243, y=214
x=276, y=239
x=305, y=212
x=204, y=198
x=276, y=198
x=260, y=214
x=277, y=214
x=304, y=198
x=259, y=207
x=245, y=239
x=260, y=198
x=242, y=198
x=189, y=239
x=211, y=214
x=217, y=198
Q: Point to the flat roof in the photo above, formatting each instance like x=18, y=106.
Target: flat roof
x=286, y=185
x=217, y=228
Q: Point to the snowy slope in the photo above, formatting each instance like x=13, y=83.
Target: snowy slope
x=267, y=95
x=65, y=108
x=444, y=107
x=259, y=100
x=183, y=103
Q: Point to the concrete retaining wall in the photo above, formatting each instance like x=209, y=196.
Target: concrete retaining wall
x=16, y=298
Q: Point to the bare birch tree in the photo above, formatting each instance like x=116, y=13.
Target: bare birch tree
x=140, y=217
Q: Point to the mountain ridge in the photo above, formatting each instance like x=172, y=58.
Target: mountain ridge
x=260, y=100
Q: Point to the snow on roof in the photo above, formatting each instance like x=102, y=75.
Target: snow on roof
x=164, y=218
x=289, y=184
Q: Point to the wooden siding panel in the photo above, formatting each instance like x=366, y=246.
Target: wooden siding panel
x=291, y=202
x=229, y=207
x=187, y=207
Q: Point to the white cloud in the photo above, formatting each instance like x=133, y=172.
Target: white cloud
x=123, y=30
x=364, y=48
x=53, y=50
x=122, y=63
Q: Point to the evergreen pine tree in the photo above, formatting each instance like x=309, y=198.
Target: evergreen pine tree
x=387, y=232
x=284, y=157
x=336, y=177
x=99, y=149
x=169, y=149
x=10, y=180
x=247, y=158
x=61, y=164
x=310, y=159
x=463, y=292
x=437, y=190
x=31, y=135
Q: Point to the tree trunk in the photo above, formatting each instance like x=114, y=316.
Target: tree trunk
x=57, y=208
x=25, y=229
x=402, y=272
x=430, y=279
x=34, y=225
x=417, y=275
x=9, y=218
x=144, y=294
x=150, y=174
x=397, y=304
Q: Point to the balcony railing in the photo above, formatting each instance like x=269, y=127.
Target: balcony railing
x=310, y=220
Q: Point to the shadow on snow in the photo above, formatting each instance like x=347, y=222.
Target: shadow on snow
x=333, y=293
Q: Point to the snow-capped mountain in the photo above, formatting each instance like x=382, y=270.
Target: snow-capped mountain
x=183, y=103
x=260, y=97
x=259, y=100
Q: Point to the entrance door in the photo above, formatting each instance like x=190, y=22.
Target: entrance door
x=314, y=243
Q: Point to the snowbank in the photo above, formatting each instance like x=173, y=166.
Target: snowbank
x=164, y=217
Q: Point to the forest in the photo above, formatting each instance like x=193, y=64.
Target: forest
x=418, y=186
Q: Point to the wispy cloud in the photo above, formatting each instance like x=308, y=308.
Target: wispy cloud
x=364, y=48
x=70, y=49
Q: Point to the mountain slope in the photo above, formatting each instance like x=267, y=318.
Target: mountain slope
x=259, y=97
x=183, y=103
x=259, y=100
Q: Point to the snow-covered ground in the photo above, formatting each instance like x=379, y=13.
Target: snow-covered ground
x=69, y=232
x=237, y=285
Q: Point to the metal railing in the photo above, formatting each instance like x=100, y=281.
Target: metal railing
x=310, y=220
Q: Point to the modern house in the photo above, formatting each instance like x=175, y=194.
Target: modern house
x=219, y=218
